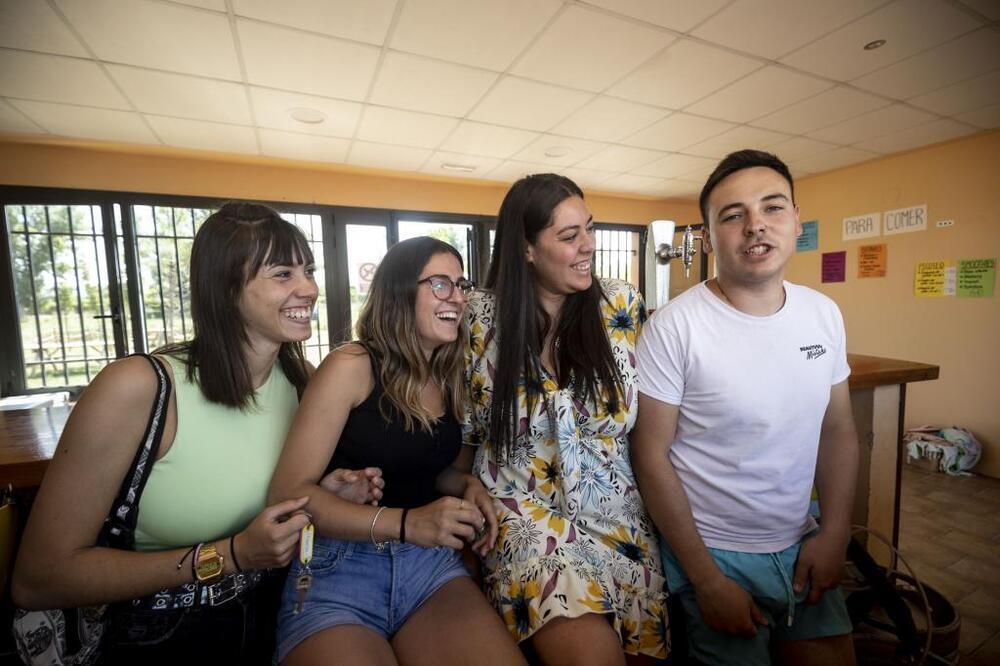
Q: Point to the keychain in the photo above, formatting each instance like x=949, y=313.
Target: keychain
x=304, y=581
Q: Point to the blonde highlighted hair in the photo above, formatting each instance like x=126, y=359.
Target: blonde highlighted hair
x=387, y=328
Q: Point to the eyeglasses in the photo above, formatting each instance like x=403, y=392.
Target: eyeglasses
x=442, y=286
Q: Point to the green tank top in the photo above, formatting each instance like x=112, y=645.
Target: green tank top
x=213, y=480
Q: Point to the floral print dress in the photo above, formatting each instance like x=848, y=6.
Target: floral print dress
x=574, y=534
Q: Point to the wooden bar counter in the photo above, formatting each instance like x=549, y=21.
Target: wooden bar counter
x=28, y=439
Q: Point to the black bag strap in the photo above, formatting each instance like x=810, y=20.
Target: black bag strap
x=119, y=527
x=883, y=593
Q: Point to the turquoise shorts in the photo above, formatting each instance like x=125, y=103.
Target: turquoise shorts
x=768, y=579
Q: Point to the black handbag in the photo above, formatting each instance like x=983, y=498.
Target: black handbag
x=74, y=635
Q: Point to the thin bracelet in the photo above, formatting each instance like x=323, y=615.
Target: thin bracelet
x=380, y=545
x=232, y=553
x=194, y=562
x=402, y=526
x=186, y=553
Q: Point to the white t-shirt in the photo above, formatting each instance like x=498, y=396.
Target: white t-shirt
x=752, y=393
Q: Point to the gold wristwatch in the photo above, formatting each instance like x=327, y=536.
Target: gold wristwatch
x=208, y=566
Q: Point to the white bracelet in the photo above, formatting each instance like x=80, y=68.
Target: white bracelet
x=380, y=545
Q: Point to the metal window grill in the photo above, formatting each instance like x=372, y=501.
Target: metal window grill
x=617, y=254
x=61, y=291
x=318, y=344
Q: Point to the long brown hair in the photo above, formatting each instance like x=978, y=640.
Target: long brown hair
x=583, y=357
x=387, y=327
x=229, y=248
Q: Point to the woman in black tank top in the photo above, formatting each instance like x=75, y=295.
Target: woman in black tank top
x=387, y=582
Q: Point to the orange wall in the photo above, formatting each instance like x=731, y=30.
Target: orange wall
x=959, y=181
x=81, y=165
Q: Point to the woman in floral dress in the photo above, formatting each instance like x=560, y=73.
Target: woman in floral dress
x=551, y=369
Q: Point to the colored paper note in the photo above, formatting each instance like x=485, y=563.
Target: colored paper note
x=976, y=277
x=950, y=280
x=929, y=280
x=871, y=261
x=834, y=266
x=809, y=239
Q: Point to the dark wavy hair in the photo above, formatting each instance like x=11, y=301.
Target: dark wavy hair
x=584, y=359
x=742, y=159
x=233, y=244
x=387, y=326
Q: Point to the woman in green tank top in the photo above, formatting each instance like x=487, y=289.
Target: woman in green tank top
x=196, y=583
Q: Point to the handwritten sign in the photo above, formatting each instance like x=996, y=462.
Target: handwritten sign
x=905, y=220
x=929, y=279
x=976, y=277
x=809, y=239
x=862, y=226
x=871, y=261
x=834, y=266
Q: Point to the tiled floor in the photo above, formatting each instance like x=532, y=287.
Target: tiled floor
x=950, y=533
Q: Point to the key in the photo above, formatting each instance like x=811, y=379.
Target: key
x=304, y=580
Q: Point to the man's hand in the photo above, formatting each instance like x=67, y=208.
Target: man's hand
x=362, y=486
x=727, y=607
x=821, y=564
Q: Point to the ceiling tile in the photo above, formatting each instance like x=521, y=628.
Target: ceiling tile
x=377, y=155
x=834, y=159
x=676, y=165
x=870, y=125
x=489, y=140
x=157, y=35
x=12, y=120
x=799, y=147
x=627, y=182
x=306, y=147
x=986, y=118
x=962, y=58
x=366, y=21
x=680, y=189
x=589, y=50
x=609, y=119
x=758, y=94
x=57, y=79
x=215, y=5
x=682, y=74
x=204, y=135
x=528, y=105
x=621, y=158
x=988, y=8
x=88, y=123
x=380, y=124
x=935, y=131
x=483, y=165
x=565, y=151
x=32, y=25
x=678, y=131
x=772, y=28
x=737, y=138
x=965, y=96
x=828, y=107
x=420, y=84
x=480, y=33
x=585, y=178
x=184, y=96
x=512, y=170
x=291, y=60
x=679, y=16
x=271, y=108
x=908, y=26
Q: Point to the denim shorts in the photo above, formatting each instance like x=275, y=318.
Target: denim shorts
x=768, y=579
x=355, y=583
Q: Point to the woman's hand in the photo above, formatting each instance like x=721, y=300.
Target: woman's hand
x=449, y=521
x=486, y=533
x=269, y=541
x=363, y=486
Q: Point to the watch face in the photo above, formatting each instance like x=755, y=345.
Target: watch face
x=209, y=564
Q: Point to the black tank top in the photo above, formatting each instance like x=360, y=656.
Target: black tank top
x=410, y=461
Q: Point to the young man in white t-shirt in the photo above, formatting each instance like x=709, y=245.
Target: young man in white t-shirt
x=743, y=406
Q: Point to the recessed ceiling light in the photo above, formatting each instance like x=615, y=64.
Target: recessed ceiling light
x=871, y=46
x=306, y=115
x=454, y=166
x=558, y=151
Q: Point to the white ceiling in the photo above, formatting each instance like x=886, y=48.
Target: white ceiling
x=632, y=96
